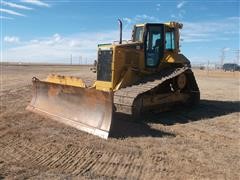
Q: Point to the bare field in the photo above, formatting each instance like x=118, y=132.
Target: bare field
x=201, y=143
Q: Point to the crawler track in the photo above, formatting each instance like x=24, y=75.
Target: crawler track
x=125, y=97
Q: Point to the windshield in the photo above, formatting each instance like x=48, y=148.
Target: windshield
x=138, y=34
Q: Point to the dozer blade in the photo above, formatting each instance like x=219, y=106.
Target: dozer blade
x=88, y=110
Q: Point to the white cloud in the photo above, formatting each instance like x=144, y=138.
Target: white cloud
x=36, y=2
x=181, y=4
x=128, y=20
x=11, y=12
x=209, y=31
x=75, y=43
x=234, y=18
x=11, y=39
x=158, y=7
x=226, y=49
x=179, y=15
x=14, y=5
x=57, y=37
x=143, y=18
x=5, y=17
x=140, y=19
x=58, y=49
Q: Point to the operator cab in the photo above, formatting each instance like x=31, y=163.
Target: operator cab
x=157, y=38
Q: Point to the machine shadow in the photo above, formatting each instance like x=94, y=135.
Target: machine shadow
x=207, y=109
x=123, y=126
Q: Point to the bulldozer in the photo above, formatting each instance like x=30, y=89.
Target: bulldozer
x=144, y=74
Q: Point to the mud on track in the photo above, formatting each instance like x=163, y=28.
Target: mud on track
x=197, y=143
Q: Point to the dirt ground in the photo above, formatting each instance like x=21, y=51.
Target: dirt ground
x=201, y=143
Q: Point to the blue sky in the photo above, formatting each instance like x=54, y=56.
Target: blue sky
x=50, y=31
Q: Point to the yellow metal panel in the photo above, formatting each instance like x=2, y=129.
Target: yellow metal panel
x=127, y=60
x=105, y=46
x=173, y=24
x=65, y=80
x=173, y=57
x=103, y=85
x=139, y=25
x=170, y=59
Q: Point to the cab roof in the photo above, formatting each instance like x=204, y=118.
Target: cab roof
x=171, y=24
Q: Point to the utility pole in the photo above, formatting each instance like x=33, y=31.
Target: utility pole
x=237, y=51
x=222, y=57
x=208, y=68
x=80, y=60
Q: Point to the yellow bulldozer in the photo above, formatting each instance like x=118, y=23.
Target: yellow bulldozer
x=146, y=73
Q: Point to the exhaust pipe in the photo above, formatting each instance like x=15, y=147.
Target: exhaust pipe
x=120, y=28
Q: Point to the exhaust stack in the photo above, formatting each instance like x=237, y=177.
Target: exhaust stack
x=120, y=28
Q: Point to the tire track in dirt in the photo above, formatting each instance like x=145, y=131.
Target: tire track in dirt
x=116, y=165
x=72, y=160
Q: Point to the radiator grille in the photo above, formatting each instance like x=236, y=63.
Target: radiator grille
x=104, y=67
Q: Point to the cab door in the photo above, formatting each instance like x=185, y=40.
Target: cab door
x=154, y=45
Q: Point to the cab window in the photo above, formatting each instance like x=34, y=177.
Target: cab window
x=138, y=34
x=170, y=40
